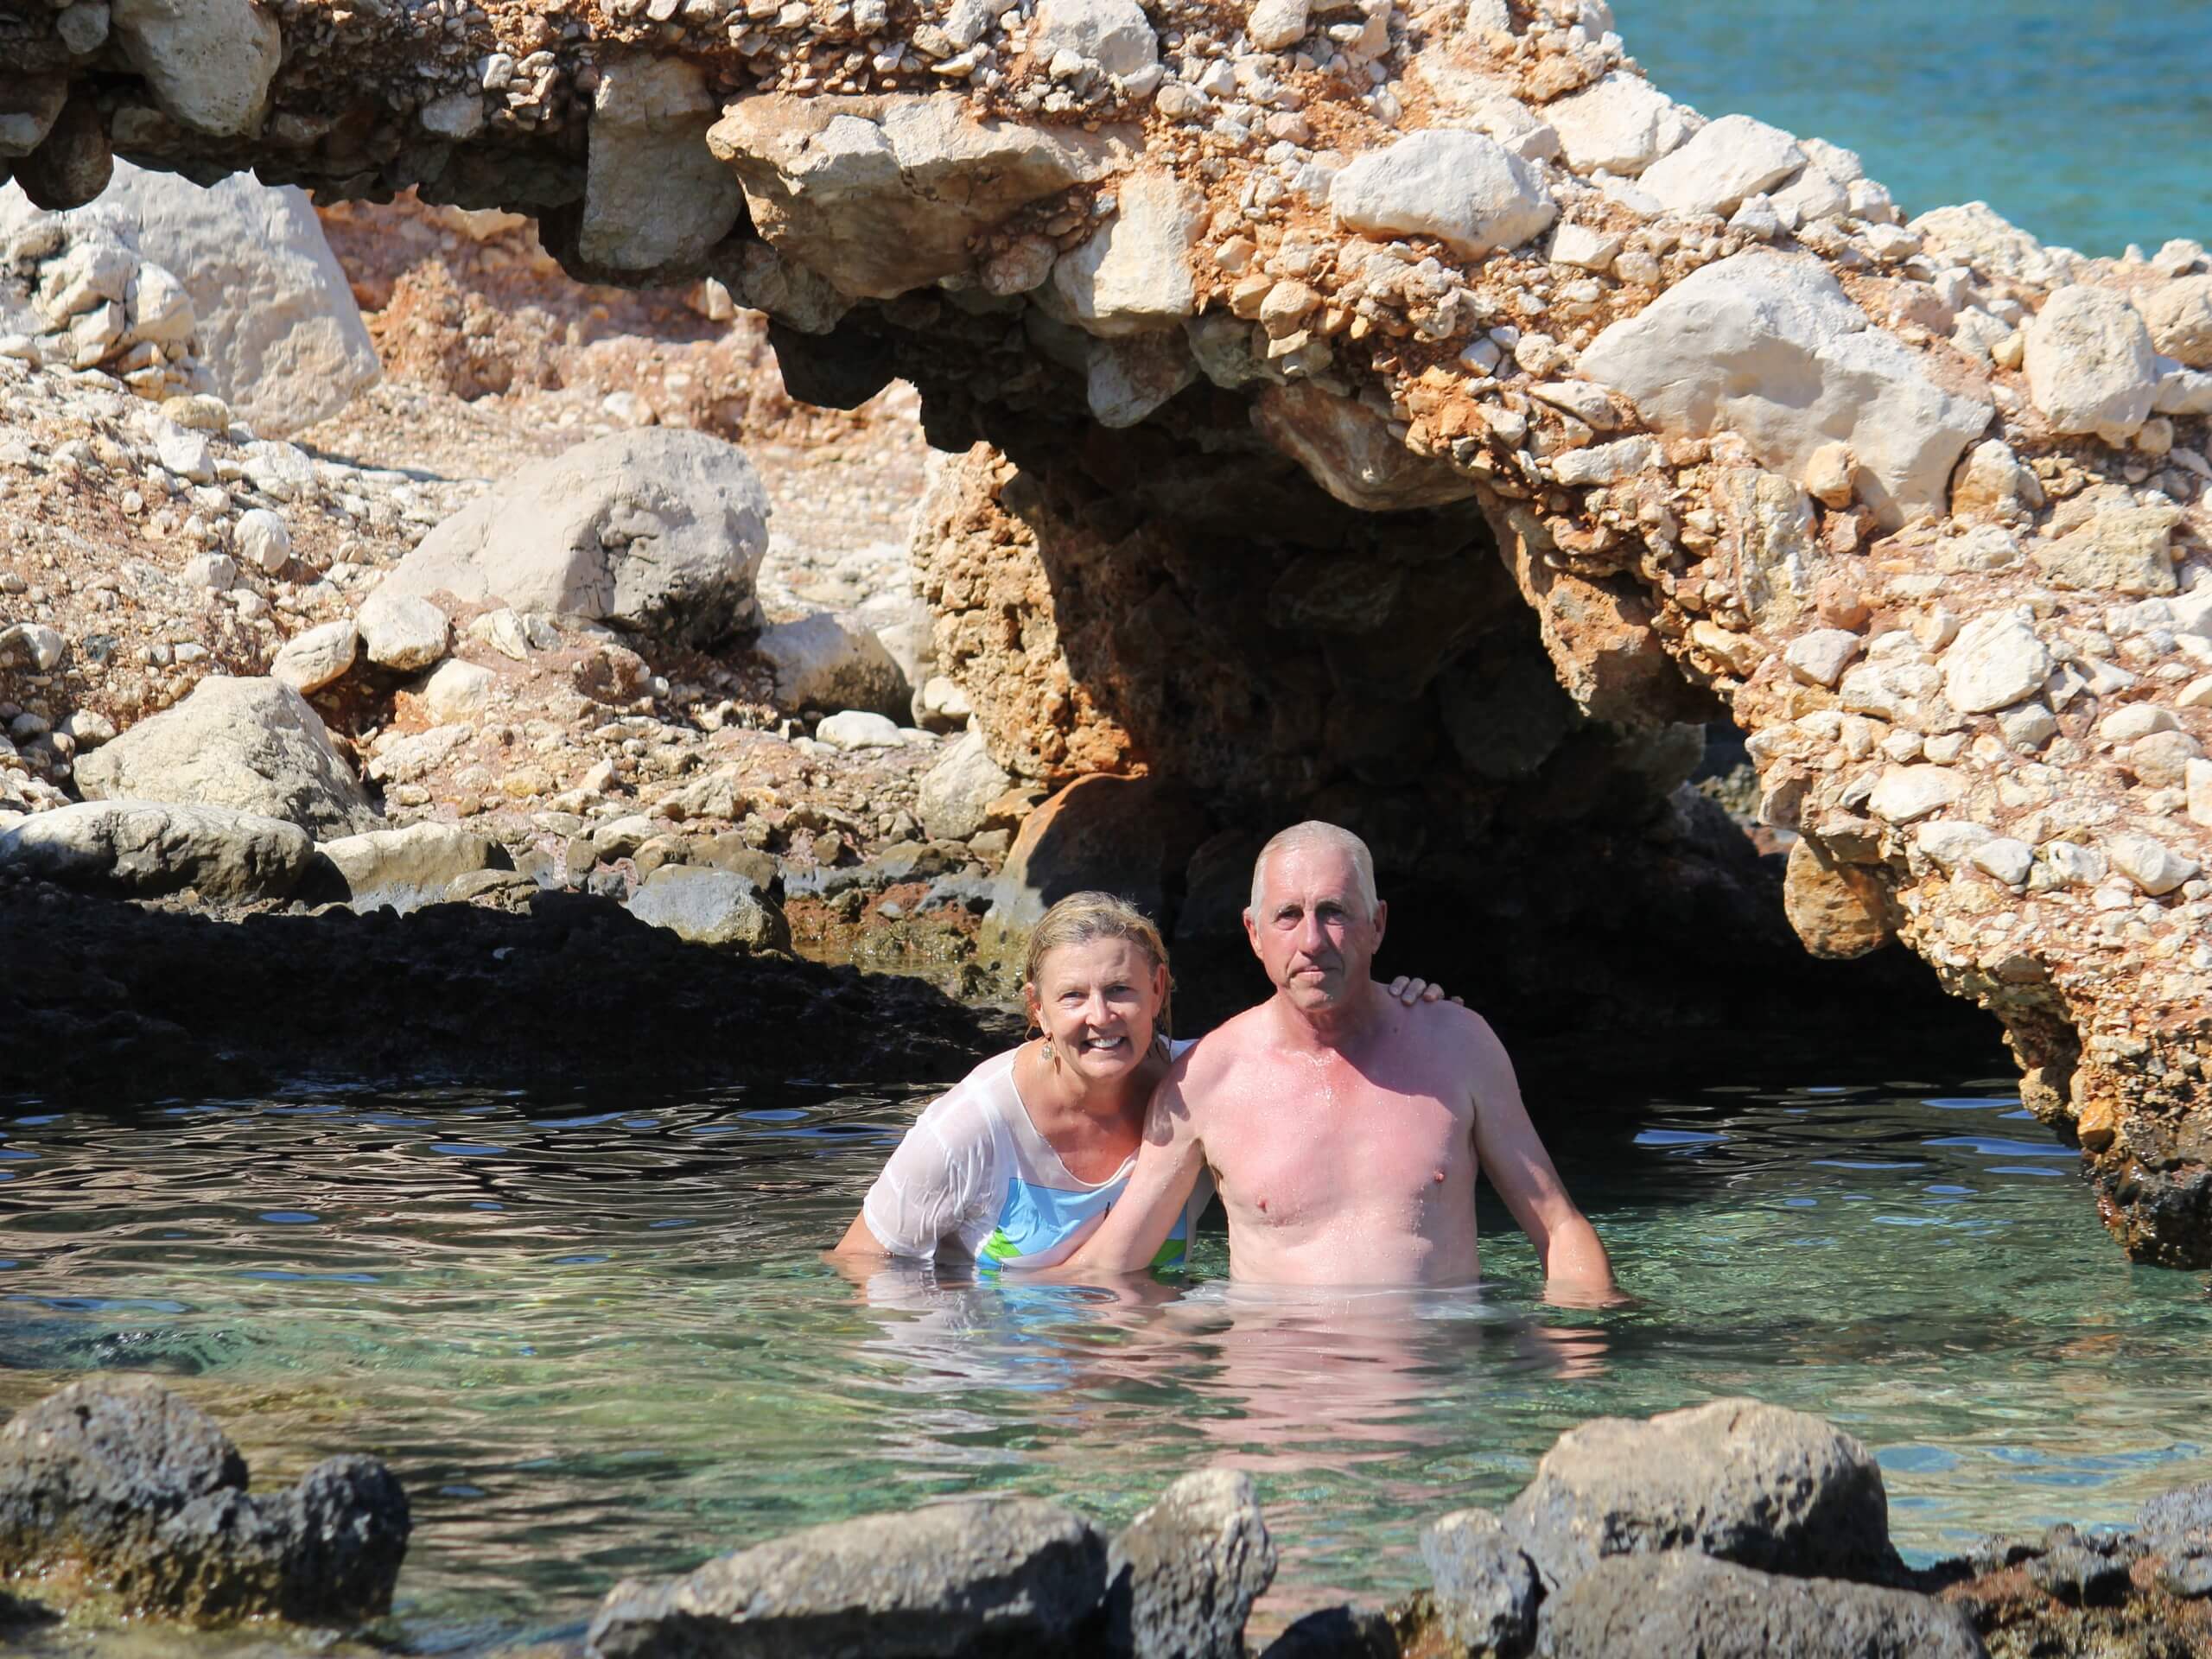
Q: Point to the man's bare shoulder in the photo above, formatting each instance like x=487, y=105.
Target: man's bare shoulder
x=1211, y=1058
x=1449, y=1028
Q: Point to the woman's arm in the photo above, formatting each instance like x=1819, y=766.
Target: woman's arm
x=932, y=1178
x=859, y=1243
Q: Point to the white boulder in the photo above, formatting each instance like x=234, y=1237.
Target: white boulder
x=1115, y=35
x=859, y=729
x=1768, y=346
x=146, y=848
x=317, y=656
x=654, y=194
x=1820, y=657
x=1623, y=124
x=2149, y=862
x=2179, y=316
x=2090, y=364
x=253, y=745
x=403, y=633
x=1721, y=164
x=1905, y=794
x=957, y=792
x=1133, y=275
x=1466, y=190
x=1995, y=662
x=207, y=62
x=459, y=691
x=659, y=529
x=831, y=660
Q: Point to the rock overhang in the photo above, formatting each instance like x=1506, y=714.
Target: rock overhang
x=1815, y=419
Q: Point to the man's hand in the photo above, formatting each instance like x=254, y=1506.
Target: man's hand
x=1413, y=991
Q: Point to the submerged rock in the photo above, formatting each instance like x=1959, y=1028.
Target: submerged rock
x=987, y=1576
x=119, y=1481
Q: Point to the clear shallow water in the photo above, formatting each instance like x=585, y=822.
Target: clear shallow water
x=597, y=1342
x=2087, y=122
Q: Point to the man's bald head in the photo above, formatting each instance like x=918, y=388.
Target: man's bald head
x=1315, y=835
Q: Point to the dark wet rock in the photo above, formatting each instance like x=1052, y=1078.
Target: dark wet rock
x=119, y=1482
x=1682, y=1604
x=2080, y=1571
x=1337, y=1633
x=1184, y=1574
x=2179, y=1523
x=993, y=1577
x=1486, y=1590
x=1739, y=1480
x=2189, y=1578
x=905, y=860
x=157, y=1001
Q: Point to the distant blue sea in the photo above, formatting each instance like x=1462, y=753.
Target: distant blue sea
x=2087, y=122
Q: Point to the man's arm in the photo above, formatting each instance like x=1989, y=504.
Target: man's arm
x=1576, y=1269
x=1166, y=1169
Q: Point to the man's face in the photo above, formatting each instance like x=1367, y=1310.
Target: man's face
x=1310, y=929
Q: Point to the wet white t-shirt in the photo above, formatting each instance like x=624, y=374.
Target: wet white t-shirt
x=972, y=1173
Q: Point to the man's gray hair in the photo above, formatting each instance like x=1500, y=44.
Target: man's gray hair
x=1315, y=834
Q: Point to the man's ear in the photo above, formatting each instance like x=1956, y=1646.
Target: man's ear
x=1252, y=933
x=1381, y=920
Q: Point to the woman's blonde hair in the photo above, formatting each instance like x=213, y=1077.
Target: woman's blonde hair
x=1084, y=918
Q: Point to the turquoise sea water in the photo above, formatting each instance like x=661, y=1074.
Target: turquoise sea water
x=2087, y=122
x=595, y=1338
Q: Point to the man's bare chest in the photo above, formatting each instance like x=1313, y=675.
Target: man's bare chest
x=1291, y=1145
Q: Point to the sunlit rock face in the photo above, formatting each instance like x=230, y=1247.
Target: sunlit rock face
x=1923, y=503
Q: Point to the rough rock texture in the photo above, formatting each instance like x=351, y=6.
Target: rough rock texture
x=711, y=907
x=659, y=531
x=145, y=848
x=269, y=314
x=1739, y=1480
x=119, y=1481
x=993, y=1576
x=911, y=187
x=253, y=745
x=1667, y=1606
x=1182, y=1577
x=406, y=867
x=1486, y=1589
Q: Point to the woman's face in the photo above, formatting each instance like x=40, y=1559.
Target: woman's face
x=1098, y=1002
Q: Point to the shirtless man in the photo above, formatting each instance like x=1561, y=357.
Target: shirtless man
x=1342, y=1130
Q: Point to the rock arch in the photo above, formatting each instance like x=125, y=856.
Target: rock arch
x=1923, y=503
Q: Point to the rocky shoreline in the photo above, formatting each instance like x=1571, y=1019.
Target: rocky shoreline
x=1731, y=1530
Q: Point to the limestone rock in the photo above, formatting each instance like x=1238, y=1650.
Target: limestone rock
x=402, y=869
x=117, y=1479
x=263, y=540
x=1974, y=233
x=1666, y=1606
x=859, y=729
x=250, y=744
x=1485, y=1588
x=1721, y=164
x=317, y=656
x=276, y=324
x=1125, y=380
x=2179, y=317
x=1115, y=35
x=711, y=907
x=1991, y=479
x=403, y=633
x=659, y=529
x=1742, y=1481
x=1127, y=836
x=145, y=848
x=655, y=197
x=829, y=659
x=2149, y=862
x=1350, y=451
x=1768, y=346
x=1003, y=1575
x=1996, y=661
x=2090, y=365
x=1906, y=794
x=1838, y=910
x=29, y=105
x=1275, y=25
x=1182, y=1577
x=888, y=191
x=1820, y=657
x=1134, y=273
x=2120, y=550
x=957, y=792
x=1622, y=123
x=209, y=62
x=458, y=691
x=1463, y=189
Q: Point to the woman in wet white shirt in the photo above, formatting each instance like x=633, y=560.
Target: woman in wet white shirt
x=1015, y=1165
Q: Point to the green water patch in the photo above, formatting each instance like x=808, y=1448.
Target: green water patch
x=596, y=1338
